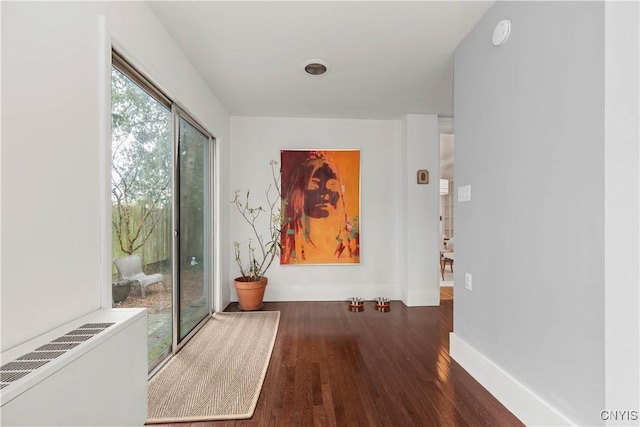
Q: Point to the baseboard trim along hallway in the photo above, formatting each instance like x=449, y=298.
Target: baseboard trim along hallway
x=517, y=398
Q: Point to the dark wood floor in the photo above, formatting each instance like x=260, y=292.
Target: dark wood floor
x=333, y=367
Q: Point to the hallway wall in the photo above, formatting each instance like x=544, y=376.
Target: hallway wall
x=529, y=141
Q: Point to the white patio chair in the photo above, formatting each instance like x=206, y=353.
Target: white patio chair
x=130, y=268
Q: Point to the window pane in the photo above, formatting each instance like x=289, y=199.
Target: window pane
x=141, y=193
x=193, y=154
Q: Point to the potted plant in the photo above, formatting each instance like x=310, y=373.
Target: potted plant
x=261, y=249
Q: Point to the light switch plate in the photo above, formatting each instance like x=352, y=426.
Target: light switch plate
x=467, y=281
x=464, y=193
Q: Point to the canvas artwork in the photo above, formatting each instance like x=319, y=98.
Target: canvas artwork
x=321, y=206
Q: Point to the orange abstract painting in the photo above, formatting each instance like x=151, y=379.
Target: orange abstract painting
x=321, y=206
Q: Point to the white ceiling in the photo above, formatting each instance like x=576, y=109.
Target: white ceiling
x=387, y=58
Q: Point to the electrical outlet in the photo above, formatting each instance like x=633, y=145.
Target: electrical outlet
x=467, y=281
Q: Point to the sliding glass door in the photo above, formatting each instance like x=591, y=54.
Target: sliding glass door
x=142, y=204
x=161, y=190
x=193, y=178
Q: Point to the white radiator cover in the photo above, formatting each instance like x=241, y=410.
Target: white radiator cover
x=102, y=381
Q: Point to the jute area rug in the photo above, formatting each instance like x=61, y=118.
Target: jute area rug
x=218, y=375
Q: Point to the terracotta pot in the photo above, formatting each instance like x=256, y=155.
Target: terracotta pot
x=250, y=294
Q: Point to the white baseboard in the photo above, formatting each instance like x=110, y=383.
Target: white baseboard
x=423, y=299
x=332, y=292
x=518, y=399
x=326, y=292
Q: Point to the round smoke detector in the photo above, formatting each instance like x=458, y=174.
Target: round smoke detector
x=501, y=32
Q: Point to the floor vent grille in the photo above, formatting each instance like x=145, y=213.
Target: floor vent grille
x=29, y=362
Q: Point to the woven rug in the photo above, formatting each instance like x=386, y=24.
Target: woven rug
x=218, y=375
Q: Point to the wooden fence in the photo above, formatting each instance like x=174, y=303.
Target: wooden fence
x=157, y=248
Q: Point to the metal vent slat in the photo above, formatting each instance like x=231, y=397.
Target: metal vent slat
x=41, y=355
x=3, y=385
x=7, y=377
x=96, y=325
x=23, y=366
x=60, y=346
x=84, y=332
x=91, y=331
x=72, y=338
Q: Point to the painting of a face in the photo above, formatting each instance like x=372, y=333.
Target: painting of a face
x=322, y=193
x=320, y=207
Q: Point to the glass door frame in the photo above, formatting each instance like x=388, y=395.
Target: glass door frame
x=179, y=113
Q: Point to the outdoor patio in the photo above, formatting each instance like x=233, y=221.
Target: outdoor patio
x=157, y=301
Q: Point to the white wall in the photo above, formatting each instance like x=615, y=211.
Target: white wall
x=50, y=156
x=530, y=142
x=420, y=251
x=255, y=141
x=55, y=149
x=622, y=213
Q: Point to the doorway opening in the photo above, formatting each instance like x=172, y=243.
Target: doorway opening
x=447, y=231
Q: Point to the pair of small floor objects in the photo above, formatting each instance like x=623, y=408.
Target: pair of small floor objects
x=357, y=304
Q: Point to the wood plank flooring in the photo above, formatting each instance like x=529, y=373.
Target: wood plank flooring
x=333, y=367
x=446, y=293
